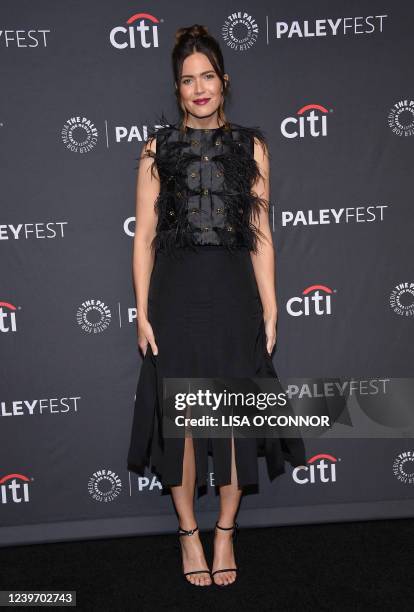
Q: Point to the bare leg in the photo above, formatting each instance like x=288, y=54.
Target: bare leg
x=230, y=497
x=183, y=496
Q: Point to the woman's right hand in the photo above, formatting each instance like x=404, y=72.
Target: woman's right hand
x=146, y=336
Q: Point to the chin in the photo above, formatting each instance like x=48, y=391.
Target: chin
x=204, y=111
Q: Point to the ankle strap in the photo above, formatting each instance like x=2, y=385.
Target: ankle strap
x=235, y=526
x=185, y=532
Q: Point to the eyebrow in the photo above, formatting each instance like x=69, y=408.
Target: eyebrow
x=190, y=75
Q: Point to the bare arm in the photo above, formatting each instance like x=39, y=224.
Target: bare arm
x=148, y=188
x=264, y=260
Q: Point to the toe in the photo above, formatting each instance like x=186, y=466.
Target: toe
x=228, y=577
x=218, y=578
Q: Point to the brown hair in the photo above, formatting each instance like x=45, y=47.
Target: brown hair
x=192, y=39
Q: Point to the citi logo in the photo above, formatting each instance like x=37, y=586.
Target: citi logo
x=310, y=120
x=137, y=34
x=14, y=488
x=315, y=299
x=7, y=317
x=320, y=468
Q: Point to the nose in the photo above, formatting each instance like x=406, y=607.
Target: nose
x=199, y=87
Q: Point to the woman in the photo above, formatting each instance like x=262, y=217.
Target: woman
x=204, y=278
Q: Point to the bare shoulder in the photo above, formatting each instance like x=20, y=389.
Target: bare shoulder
x=159, y=134
x=149, y=147
x=261, y=151
x=262, y=144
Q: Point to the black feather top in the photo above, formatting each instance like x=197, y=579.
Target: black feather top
x=206, y=179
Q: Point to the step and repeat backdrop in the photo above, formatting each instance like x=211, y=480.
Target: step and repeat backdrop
x=82, y=83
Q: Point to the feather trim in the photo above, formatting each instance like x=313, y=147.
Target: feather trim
x=240, y=171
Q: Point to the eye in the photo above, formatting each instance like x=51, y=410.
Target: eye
x=209, y=76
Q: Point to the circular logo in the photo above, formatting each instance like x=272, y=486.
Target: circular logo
x=402, y=299
x=401, y=118
x=403, y=467
x=240, y=31
x=104, y=485
x=93, y=316
x=79, y=134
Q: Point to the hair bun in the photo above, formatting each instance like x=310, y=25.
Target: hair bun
x=194, y=31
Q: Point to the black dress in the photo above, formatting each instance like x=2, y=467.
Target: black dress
x=204, y=304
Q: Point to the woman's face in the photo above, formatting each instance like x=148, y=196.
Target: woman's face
x=200, y=87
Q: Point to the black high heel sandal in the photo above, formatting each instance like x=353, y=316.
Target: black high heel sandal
x=190, y=532
x=235, y=528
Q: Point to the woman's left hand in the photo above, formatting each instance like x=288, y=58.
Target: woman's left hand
x=270, y=330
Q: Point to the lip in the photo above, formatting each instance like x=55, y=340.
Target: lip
x=202, y=101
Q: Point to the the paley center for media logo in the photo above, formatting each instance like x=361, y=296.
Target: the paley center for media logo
x=79, y=134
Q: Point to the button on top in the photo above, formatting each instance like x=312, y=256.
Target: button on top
x=200, y=213
x=199, y=190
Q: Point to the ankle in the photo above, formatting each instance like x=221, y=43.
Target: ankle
x=188, y=524
x=225, y=524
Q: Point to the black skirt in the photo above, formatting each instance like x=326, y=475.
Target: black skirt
x=205, y=310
